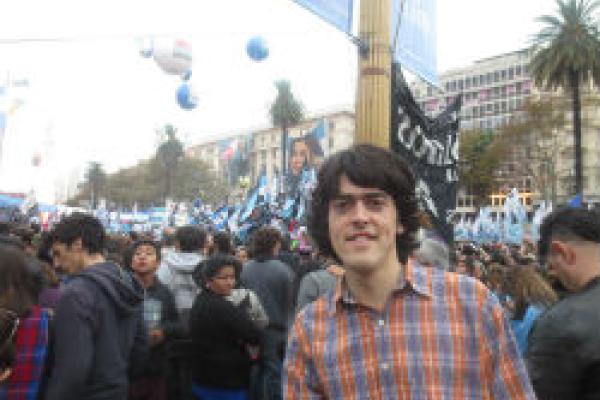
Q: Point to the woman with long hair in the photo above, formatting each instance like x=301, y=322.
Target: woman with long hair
x=530, y=295
x=20, y=286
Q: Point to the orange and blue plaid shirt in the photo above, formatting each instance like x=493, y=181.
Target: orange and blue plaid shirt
x=441, y=336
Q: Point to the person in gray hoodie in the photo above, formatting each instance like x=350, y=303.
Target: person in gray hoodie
x=99, y=337
x=177, y=268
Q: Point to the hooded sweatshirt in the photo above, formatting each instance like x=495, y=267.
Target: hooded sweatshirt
x=175, y=271
x=99, y=335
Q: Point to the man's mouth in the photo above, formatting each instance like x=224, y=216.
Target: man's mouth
x=361, y=237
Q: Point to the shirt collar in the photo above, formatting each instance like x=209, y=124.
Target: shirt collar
x=415, y=278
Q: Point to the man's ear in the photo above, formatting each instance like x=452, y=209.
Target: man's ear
x=564, y=251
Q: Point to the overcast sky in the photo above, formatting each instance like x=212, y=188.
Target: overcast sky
x=92, y=97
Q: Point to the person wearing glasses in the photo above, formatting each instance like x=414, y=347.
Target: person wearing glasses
x=220, y=334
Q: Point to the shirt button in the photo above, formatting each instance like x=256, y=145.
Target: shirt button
x=381, y=322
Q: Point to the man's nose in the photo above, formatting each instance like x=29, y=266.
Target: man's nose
x=359, y=212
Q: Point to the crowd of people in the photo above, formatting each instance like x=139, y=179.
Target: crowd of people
x=368, y=311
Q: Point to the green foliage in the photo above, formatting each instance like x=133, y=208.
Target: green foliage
x=565, y=56
x=285, y=111
x=95, y=180
x=146, y=183
x=481, y=152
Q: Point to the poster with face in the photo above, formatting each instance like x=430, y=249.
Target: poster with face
x=305, y=155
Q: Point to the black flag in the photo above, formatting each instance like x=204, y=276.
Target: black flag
x=430, y=145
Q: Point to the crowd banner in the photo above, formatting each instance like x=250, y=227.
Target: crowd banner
x=430, y=145
x=336, y=12
x=413, y=36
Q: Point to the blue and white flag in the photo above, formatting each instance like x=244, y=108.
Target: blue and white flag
x=336, y=12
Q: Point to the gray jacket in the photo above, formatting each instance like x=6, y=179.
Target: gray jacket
x=314, y=285
x=175, y=272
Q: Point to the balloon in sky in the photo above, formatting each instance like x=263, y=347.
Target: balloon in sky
x=257, y=48
x=186, y=96
x=174, y=56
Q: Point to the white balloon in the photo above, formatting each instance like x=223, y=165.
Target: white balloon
x=174, y=56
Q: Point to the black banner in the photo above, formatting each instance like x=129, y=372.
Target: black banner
x=430, y=145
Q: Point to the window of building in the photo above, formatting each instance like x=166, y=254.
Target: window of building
x=475, y=112
x=496, y=108
x=482, y=124
x=496, y=92
x=460, y=84
x=496, y=76
x=481, y=80
x=518, y=104
x=511, y=73
x=452, y=86
x=504, y=107
x=475, y=80
x=525, y=69
x=475, y=95
x=503, y=74
x=518, y=70
x=482, y=110
x=447, y=86
x=518, y=87
x=488, y=78
x=503, y=92
x=429, y=91
x=331, y=126
x=467, y=83
x=489, y=107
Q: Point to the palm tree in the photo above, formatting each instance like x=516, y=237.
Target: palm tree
x=285, y=111
x=566, y=55
x=169, y=153
x=95, y=178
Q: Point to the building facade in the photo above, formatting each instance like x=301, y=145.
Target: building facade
x=494, y=91
x=240, y=158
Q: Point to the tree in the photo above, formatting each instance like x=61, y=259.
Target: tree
x=285, y=111
x=481, y=152
x=95, y=179
x=169, y=153
x=565, y=55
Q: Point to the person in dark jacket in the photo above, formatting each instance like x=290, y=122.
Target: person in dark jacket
x=220, y=332
x=272, y=281
x=100, y=341
x=564, y=347
x=160, y=318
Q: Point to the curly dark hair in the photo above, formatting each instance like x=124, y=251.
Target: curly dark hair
x=84, y=227
x=574, y=224
x=371, y=167
x=263, y=242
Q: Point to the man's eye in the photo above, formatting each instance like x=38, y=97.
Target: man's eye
x=341, y=205
x=374, y=203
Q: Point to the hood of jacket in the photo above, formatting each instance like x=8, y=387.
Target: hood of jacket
x=183, y=263
x=119, y=285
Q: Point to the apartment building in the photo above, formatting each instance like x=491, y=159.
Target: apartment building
x=494, y=90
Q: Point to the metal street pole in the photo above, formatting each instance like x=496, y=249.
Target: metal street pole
x=374, y=77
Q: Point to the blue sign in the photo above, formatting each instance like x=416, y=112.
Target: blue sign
x=415, y=41
x=336, y=12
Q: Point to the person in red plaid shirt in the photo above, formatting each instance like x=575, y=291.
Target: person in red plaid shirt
x=393, y=329
x=19, y=290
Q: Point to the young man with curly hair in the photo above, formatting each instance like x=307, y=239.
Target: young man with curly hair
x=392, y=328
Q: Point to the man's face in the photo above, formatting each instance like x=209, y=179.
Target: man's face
x=300, y=153
x=145, y=260
x=69, y=258
x=363, y=223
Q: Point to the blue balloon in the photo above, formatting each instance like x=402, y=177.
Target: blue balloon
x=257, y=48
x=185, y=97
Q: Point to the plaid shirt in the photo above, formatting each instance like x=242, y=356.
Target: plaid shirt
x=31, y=347
x=441, y=336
